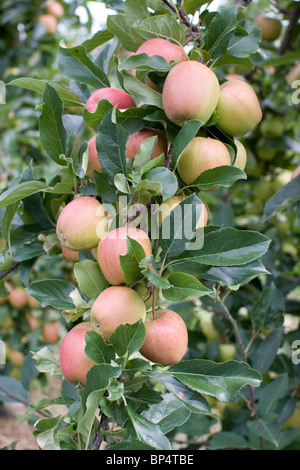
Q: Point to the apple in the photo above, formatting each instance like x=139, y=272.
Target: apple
x=266, y=153
x=166, y=49
x=270, y=27
x=134, y=142
x=166, y=338
x=272, y=127
x=56, y=9
x=207, y=326
x=18, y=297
x=50, y=332
x=241, y=156
x=263, y=190
x=238, y=108
x=49, y=22
x=69, y=255
x=296, y=172
x=74, y=362
x=114, y=244
x=33, y=322
x=282, y=179
x=169, y=205
x=16, y=357
x=32, y=302
x=227, y=351
x=115, y=306
x=201, y=154
x=93, y=162
x=115, y=96
x=235, y=76
x=293, y=75
x=81, y=224
x=191, y=91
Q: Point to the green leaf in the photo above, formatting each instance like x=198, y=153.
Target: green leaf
x=168, y=414
x=143, y=156
x=94, y=119
x=98, y=379
x=68, y=97
x=227, y=440
x=111, y=145
x=265, y=354
x=97, y=40
x=145, y=62
x=184, y=286
x=243, y=45
x=272, y=392
x=216, y=37
x=12, y=390
x=158, y=26
x=106, y=191
x=148, y=432
x=29, y=251
x=268, y=310
x=52, y=132
x=224, y=175
x=166, y=178
x=53, y=292
x=136, y=10
x=141, y=92
x=97, y=349
x=266, y=427
x=130, y=262
x=74, y=63
x=117, y=25
x=276, y=61
x=221, y=380
x=128, y=339
x=47, y=362
x=185, y=135
x=282, y=199
x=90, y=279
x=229, y=247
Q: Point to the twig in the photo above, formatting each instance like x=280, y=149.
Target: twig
x=243, y=3
x=99, y=436
x=181, y=17
x=19, y=400
x=293, y=18
x=168, y=162
x=15, y=264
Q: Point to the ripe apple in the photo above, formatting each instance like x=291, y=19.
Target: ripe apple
x=235, y=76
x=18, y=297
x=69, y=255
x=296, y=172
x=191, y=91
x=270, y=27
x=169, y=205
x=238, y=108
x=163, y=48
x=227, y=351
x=115, y=306
x=81, y=224
x=293, y=75
x=32, y=302
x=74, y=362
x=56, y=9
x=16, y=357
x=50, y=332
x=49, y=22
x=94, y=162
x=33, y=322
x=114, y=244
x=166, y=338
x=241, y=156
x=115, y=96
x=201, y=154
x=134, y=142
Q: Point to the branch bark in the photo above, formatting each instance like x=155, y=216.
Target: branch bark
x=15, y=264
x=293, y=18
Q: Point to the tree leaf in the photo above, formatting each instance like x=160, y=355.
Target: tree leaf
x=53, y=292
x=268, y=310
x=283, y=198
x=128, y=339
x=184, y=286
x=90, y=279
x=148, y=432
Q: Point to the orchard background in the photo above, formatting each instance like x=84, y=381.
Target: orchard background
x=236, y=385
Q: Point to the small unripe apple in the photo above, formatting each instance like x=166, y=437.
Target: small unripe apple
x=81, y=224
x=273, y=127
x=33, y=322
x=56, y=9
x=207, y=325
x=296, y=172
x=201, y=154
x=134, y=142
x=18, y=297
x=270, y=27
x=238, y=108
x=94, y=162
x=282, y=179
x=227, y=351
x=166, y=338
x=266, y=153
x=241, y=156
x=16, y=357
x=263, y=190
x=74, y=362
x=114, y=244
x=69, y=255
x=191, y=91
x=49, y=22
x=50, y=332
x=115, y=306
x=293, y=75
x=115, y=96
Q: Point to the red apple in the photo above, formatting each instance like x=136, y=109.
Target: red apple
x=18, y=297
x=115, y=96
x=166, y=338
x=50, y=332
x=49, y=22
x=93, y=163
x=33, y=322
x=69, y=255
x=270, y=27
x=81, y=224
x=115, y=306
x=16, y=357
x=74, y=362
x=135, y=140
x=238, y=108
x=201, y=154
x=114, y=244
x=191, y=91
x=56, y=9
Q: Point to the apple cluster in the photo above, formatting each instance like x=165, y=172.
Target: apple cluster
x=49, y=19
x=191, y=90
